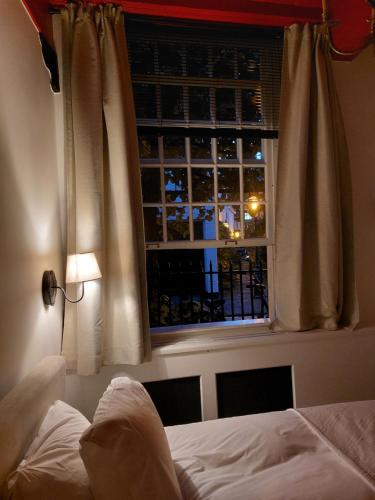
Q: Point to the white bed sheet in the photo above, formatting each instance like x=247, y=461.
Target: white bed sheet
x=271, y=456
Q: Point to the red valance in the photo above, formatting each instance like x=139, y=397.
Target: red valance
x=349, y=34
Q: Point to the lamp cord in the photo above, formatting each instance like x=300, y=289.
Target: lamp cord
x=67, y=298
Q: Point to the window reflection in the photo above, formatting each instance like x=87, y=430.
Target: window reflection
x=151, y=185
x=176, y=185
x=204, y=223
x=148, y=147
x=202, y=184
x=228, y=184
x=153, y=223
x=197, y=60
x=174, y=147
x=142, y=57
x=253, y=184
x=223, y=62
x=226, y=148
x=254, y=220
x=252, y=149
x=170, y=59
x=200, y=148
x=225, y=105
x=178, y=223
x=172, y=102
x=199, y=103
x=145, y=100
x=248, y=64
x=229, y=222
x=251, y=106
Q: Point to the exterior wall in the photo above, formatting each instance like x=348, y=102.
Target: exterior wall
x=31, y=197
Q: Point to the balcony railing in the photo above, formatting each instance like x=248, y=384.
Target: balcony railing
x=184, y=295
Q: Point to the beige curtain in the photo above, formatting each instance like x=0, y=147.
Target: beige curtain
x=110, y=325
x=314, y=277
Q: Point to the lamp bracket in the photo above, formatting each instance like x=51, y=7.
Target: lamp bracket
x=49, y=290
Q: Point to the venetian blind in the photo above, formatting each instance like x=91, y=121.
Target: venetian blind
x=199, y=75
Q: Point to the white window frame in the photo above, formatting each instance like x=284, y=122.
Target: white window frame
x=269, y=150
x=167, y=334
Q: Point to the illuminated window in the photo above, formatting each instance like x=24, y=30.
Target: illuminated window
x=206, y=106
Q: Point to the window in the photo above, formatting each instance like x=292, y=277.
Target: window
x=206, y=100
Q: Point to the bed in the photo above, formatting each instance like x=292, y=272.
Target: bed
x=321, y=453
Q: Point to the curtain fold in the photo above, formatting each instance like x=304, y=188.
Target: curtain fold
x=314, y=275
x=110, y=326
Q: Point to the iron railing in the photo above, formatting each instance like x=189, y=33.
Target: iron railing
x=184, y=295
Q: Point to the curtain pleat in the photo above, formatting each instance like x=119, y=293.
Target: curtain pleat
x=314, y=276
x=110, y=326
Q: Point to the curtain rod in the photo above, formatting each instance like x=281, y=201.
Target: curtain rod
x=56, y=9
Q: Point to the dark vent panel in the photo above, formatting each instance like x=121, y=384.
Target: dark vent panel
x=178, y=401
x=254, y=391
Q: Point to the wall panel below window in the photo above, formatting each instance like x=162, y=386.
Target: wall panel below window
x=178, y=401
x=254, y=391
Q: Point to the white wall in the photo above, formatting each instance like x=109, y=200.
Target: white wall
x=356, y=84
x=31, y=199
x=327, y=367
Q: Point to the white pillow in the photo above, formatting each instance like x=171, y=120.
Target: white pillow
x=52, y=466
x=125, y=450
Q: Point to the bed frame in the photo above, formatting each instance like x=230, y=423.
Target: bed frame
x=23, y=409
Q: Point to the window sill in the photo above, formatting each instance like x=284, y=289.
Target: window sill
x=228, y=329
x=216, y=338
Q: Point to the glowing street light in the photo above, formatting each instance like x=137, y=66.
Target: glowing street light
x=253, y=203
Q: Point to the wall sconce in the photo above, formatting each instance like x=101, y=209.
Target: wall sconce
x=80, y=267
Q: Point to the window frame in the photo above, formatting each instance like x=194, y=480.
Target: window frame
x=268, y=163
x=166, y=334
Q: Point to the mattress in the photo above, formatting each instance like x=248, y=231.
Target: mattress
x=320, y=453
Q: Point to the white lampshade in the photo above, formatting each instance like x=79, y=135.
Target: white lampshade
x=82, y=267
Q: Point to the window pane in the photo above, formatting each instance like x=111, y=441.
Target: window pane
x=174, y=147
x=153, y=224
x=229, y=222
x=228, y=184
x=225, y=104
x=199, y=103
x=251, y=111
x=248, y=64
x=200, y=148
x=142, y=58
x=203, y=184
x=172, y=104
x=181, y=289
x=145, y=100
x=204, y=223
x=148, y=147
x=252, y=149
x=254, y=221
x=253, y=185
x=170, y=59
x=176, y=185
x=226, y=148
x=250, y=301
x=178, y=223
x=223, y=62
x=151, y=185
x=197, y=60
